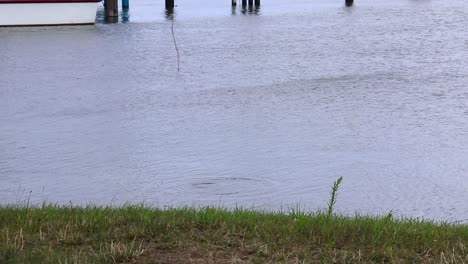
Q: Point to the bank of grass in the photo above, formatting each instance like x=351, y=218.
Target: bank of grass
x=138, y=234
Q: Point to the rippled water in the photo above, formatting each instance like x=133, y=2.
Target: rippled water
x=268, y=109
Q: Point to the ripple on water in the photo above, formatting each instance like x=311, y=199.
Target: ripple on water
x=223, y=185
x=213, y=188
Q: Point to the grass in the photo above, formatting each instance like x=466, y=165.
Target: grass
x=333, y=195
x=139, y=234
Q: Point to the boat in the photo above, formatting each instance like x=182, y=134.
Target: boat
x=47, y=12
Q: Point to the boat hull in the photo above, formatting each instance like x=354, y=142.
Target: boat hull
x=42, y=14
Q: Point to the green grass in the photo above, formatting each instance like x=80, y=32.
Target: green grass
x=138, y=234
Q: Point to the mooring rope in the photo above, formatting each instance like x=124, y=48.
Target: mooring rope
x=175, y=45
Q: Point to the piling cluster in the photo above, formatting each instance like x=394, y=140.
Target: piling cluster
x=112, y=8
x=244, y=2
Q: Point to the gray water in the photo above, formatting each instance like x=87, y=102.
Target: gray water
x=268, y=109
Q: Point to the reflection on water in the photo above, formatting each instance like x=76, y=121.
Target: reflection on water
x=170, y=14
x=125, y=15
x=255, y=10
x=266, y=111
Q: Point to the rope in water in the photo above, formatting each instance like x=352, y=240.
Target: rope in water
x=175, y=45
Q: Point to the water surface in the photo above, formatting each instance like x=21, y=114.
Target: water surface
x=268, y=109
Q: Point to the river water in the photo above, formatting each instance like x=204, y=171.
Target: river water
x=269, y=107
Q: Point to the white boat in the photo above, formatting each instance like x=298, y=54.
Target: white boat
x=47, y=12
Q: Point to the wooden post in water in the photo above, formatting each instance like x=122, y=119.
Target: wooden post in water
x=169, y=4
x=349, y=2
x=250, y=2
x=257, y=3
x=234, y=2
x=244, y=3
x=111, y=8
x=125, y=4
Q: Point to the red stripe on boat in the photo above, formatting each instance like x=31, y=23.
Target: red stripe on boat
x=46, y=1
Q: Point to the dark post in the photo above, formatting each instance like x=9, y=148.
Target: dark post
x=349, y=2
x=125, y=4
x=250, y=2
x=169, y=4
x=234, y=2
x=244, y=3
x=257, y=2
x=111, y=8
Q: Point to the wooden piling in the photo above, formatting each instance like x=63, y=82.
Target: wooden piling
x=349, y=2
x=250, y=2
x=234, y=2
x=111, y=8
x=169, y=4
x=244, y=3
x=257, y=2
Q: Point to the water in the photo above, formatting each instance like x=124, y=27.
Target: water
x=268, y=109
